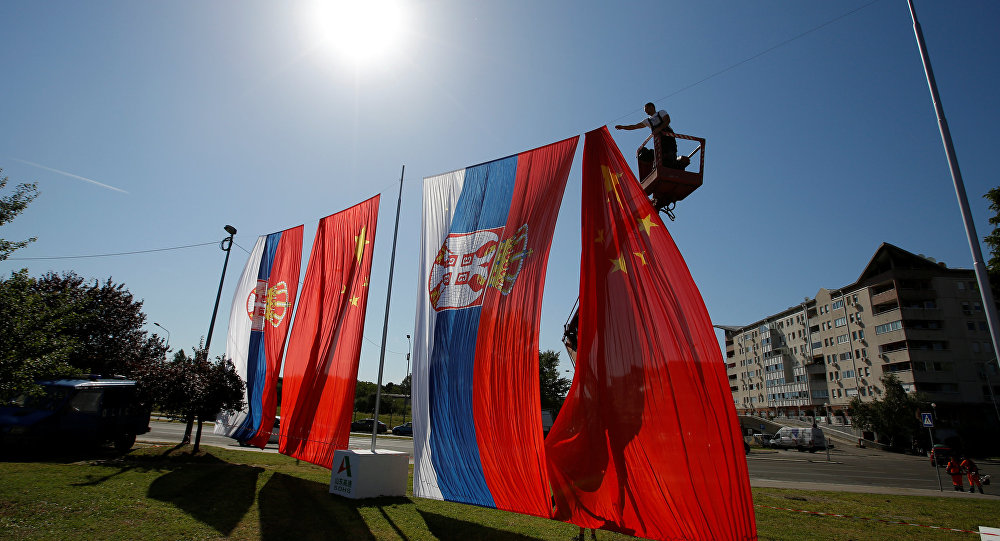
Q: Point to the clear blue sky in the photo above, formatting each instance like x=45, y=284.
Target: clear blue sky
x=208, y=113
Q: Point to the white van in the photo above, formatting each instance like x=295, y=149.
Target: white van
x=801, y=439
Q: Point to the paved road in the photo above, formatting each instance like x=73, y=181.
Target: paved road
x=171, y=432
x=848, y=465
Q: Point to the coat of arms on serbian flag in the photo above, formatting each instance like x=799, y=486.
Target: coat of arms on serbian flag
x=476, y=412
x=321, y=366
x=647, y=442
x=258, y=325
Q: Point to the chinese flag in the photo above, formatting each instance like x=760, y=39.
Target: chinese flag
x=321, y=365
x=647, y=442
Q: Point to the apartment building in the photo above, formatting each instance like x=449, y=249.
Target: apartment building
x=906, y=315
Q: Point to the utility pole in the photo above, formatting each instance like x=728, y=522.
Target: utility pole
x=956, y=175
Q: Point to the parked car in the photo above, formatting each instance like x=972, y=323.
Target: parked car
x=800, y=439
x=763, y=439
x=941, y=453
x=405, y=429
x=273, y=437
x=276, y=430
x=82, y=412
x=365, y=425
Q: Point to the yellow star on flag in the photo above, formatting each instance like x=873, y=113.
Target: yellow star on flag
x=354, y=301
x=618, y=264
x=610, y=178
x=641, y=256
x=360, y=241
x=646, y=223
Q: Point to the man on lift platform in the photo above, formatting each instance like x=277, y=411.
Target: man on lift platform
x=659, y=123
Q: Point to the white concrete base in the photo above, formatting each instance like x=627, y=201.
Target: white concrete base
x=989, y=534
x=364, y=474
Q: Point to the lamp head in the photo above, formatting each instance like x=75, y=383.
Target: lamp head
x=230, y=229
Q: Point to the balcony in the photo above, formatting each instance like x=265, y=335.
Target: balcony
x=885, y=297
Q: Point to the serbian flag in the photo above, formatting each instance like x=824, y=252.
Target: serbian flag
x=258, y=326
x=647, y=442
x=477, y=429
x=321, y=366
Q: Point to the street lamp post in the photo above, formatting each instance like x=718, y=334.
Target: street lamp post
x=168, y=333
x=409, y=347
x=226, y=244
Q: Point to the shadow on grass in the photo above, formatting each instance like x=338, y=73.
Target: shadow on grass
x=212, y=491
x=447, y=528
x=295, y=508
x=168, y=459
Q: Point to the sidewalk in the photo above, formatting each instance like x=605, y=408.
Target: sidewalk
x=863, y=489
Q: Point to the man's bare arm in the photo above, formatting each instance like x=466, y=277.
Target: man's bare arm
x=630, y=126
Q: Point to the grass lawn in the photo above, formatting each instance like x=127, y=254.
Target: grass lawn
x=166, y=493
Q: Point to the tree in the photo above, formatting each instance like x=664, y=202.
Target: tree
x=35, y=338
x=553, y=387
x=197, y=388
x=109, y=329
x=894, y=418
x=12, y=205
x=62, y=326
x=993, y=241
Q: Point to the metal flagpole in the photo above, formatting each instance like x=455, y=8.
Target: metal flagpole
x=385, y=324
x=956, y=175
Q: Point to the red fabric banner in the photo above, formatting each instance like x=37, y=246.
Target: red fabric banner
x=321, y=365
x=647, y=442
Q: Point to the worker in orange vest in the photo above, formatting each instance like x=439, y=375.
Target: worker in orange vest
x=973, y=473
x=955, y=471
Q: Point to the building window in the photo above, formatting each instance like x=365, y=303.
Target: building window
x=838, y=304
x=889, y=327
x=965, y=308
x=842, y=339
x=840, y=322
x=971, y=325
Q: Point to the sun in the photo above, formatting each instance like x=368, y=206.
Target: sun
x=360, y=31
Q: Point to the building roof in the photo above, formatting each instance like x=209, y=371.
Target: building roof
x=887, y=257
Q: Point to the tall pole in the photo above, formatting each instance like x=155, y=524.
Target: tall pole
x=956, y=175
x=385, y=324
x=930, y=432
x=409, y=386
x=226, y=244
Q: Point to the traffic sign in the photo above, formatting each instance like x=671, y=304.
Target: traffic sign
x=927, y=419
